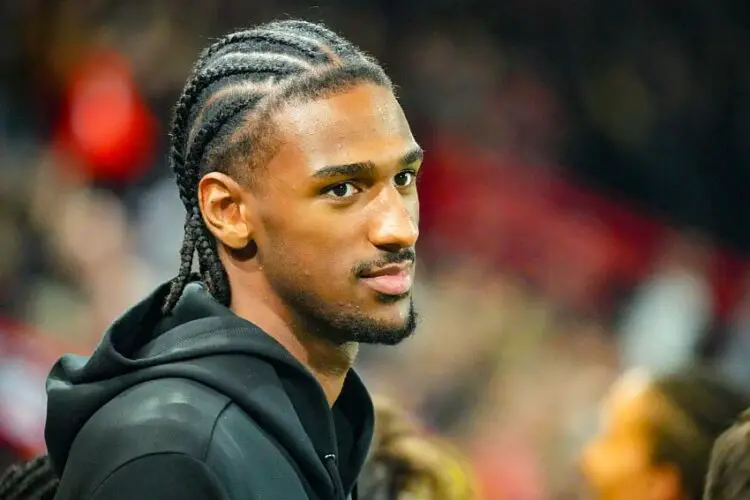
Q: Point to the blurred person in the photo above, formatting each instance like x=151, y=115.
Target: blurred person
x=656, y=435
x=672, y=310
x=728, y=476
x=297, y=168
x=95, y=264
x=733, y=354
x=407, y=463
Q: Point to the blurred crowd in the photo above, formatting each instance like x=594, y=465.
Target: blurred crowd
x=584, y=199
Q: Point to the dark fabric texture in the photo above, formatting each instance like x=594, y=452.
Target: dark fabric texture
x=205, y=397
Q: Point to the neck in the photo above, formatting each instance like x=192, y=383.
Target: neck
x=328, y=362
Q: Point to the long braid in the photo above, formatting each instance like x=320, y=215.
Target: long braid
x=195, y=232
x=246, y=72
x=32, y=480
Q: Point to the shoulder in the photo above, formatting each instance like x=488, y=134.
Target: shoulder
x=163, y=416
x=161, y=476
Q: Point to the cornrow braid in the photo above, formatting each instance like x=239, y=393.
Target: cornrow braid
x=260, y=40
x=275, y=33
x=222, y=117
x=339, y=44
x=32, y=480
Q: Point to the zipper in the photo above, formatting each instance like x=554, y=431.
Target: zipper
x=331, y=465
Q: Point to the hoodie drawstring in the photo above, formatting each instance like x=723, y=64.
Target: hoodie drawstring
x=331, y=465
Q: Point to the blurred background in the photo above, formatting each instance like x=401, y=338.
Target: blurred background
x=585, y=201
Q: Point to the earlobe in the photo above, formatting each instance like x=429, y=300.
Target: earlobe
x=223, y=207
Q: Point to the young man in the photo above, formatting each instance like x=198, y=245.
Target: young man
x=298, y=171
x=729, y=470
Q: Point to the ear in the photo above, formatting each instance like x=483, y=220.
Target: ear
x=225, y=210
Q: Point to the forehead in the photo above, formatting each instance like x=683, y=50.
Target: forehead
x=363, y=123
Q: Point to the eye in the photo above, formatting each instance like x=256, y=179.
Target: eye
x=343, y=190
x=405, y=178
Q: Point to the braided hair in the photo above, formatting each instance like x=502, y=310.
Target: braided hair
x=223, y=116
x=32, y=480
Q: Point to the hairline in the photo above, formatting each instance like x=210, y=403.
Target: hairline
x=256, y=141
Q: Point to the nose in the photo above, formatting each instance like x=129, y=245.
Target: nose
x=395, y=222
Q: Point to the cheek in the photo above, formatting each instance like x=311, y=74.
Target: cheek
x=307, y=247
x=414, y=210
x=614, y=468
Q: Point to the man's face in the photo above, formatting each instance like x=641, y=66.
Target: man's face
x=337, y=216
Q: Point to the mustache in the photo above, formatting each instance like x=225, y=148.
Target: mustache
x=404, y=256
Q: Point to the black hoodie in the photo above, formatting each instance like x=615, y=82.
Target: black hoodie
x=201, y=404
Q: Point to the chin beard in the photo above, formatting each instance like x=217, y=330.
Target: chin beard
x=340, y=328
x=368, y=331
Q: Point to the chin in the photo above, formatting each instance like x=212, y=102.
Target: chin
x=398, y=324
x=385, y=320
x=392, y=337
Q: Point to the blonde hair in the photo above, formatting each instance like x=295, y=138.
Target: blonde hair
x=407, y=464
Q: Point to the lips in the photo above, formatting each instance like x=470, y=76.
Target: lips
x=389, y=280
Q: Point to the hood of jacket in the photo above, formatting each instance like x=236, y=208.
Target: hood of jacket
x=144, y=344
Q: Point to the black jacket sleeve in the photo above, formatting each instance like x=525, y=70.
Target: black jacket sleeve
x=163, y=476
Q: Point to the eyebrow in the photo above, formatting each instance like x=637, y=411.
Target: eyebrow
x=367, y=167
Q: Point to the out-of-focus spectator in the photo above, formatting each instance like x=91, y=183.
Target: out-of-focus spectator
x=733, y=356
x=671, y=311
x=657, y=433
